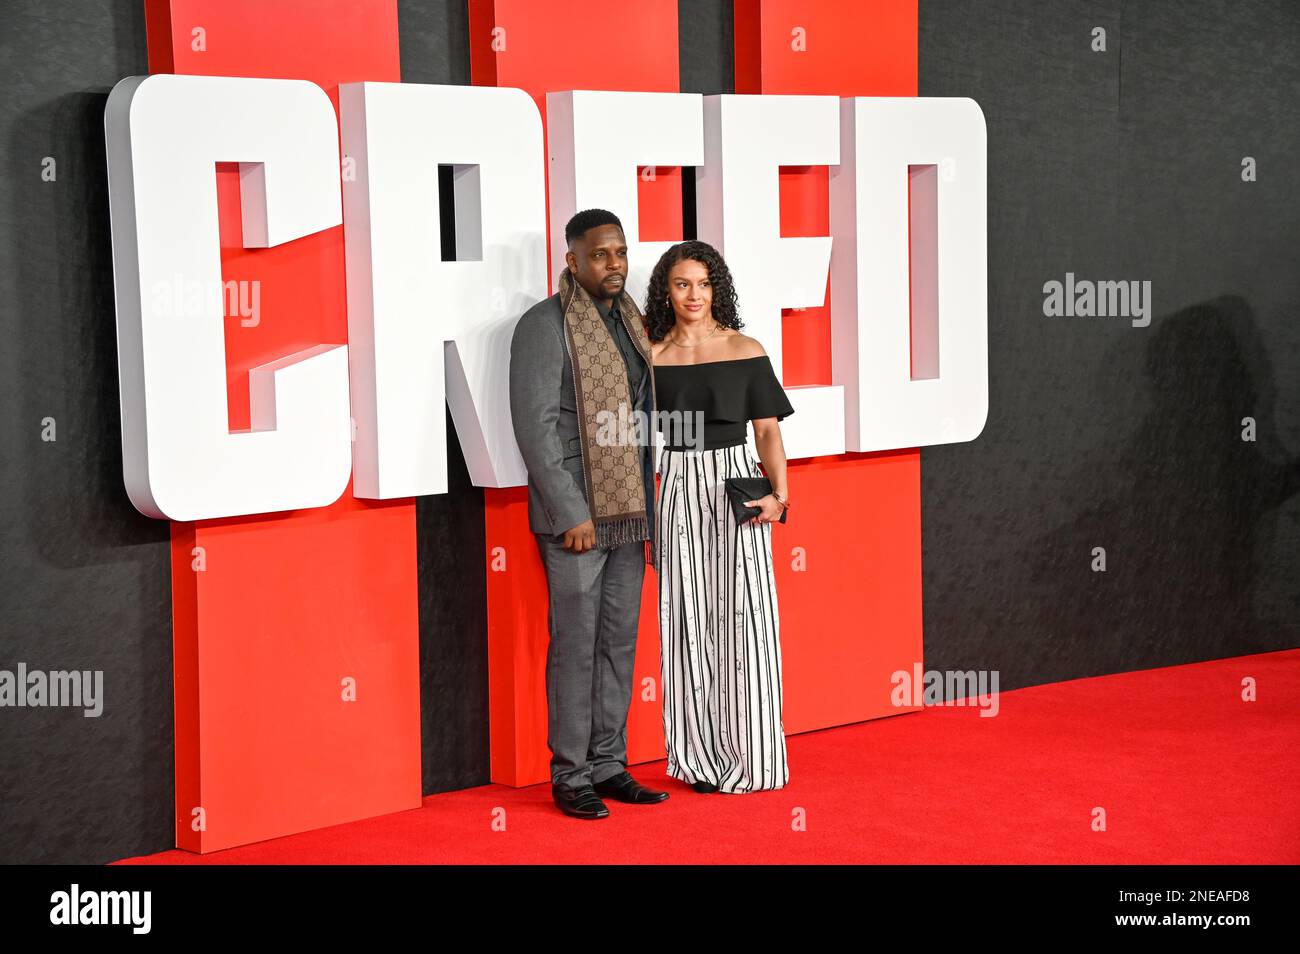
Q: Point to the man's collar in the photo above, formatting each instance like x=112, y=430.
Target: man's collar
x=603, y=308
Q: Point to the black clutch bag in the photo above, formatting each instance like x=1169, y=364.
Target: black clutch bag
x=740, y=489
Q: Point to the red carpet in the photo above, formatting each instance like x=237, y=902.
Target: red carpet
x=1186, y=771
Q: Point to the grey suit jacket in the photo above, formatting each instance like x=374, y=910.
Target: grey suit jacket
x=543, y=406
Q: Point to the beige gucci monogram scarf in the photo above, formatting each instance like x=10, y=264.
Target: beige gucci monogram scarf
x=615, y=486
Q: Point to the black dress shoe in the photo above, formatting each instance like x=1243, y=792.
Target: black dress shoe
x=580, y=802
x=704, y=788
x=625, y=788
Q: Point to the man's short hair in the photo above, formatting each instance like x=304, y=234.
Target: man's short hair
x=589, y=219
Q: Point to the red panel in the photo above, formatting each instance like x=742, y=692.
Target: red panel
x=567, y=44
x=851, y=612
x=846, y=47
x=185, y=683
x=849, y=589
x=659, y=201
x=834, y=670
x=545, y=48
x=747, y=19
x=833, y=47
x=806, y=332
x=288, y=606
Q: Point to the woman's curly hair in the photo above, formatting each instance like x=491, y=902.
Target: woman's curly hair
x=659, y=314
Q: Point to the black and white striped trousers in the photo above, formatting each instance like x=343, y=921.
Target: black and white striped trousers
x=719, y=633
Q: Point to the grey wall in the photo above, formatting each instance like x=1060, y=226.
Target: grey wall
x=1125, y=165
x=84, y=579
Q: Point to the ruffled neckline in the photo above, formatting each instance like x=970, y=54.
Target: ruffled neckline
x=705, y=364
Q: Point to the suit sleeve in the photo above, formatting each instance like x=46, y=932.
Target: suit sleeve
x=536, y=368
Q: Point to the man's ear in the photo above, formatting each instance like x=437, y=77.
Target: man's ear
x=571, y=260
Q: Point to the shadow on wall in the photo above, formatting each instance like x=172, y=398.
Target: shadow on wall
x=1187, y=511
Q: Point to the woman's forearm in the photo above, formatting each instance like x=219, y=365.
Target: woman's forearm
x=771, y=452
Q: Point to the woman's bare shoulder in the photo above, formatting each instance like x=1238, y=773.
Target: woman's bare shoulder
x=743, y=346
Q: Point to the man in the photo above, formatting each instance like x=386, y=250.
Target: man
x=577, y=360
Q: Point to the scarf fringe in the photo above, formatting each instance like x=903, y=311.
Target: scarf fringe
x=624, y=530
x=616, y=532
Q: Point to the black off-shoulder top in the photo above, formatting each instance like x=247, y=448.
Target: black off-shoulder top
x=728, y=393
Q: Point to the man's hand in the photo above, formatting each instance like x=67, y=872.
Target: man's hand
x=581, y=538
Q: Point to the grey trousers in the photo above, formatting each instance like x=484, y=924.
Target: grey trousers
x=595, y=605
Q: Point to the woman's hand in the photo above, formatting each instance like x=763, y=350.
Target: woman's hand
x=771, y=509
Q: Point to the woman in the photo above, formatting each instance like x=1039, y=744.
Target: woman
x=719, y=635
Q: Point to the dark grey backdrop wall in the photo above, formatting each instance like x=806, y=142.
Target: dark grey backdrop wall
x=1125, y=165
x=84, y=579
x=1115, y=165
